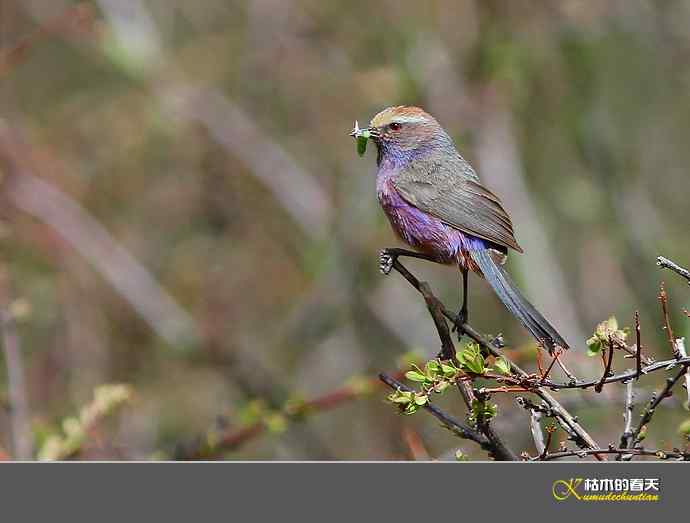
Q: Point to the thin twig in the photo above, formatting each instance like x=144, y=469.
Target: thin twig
x=535, y=429
x=540, y=364
x=659, y=454
x=663, y=299
x=456, y=427
x=680, y=345
x=623, y=376
x=557, y=353
x=654, y=403
x=549, y=436
x=665, y=263
x=548, y=370
x=607, y=369
x=503, y=388
x=627, y=434
x=638, y=346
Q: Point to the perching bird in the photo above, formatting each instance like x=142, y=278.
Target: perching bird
x=437, y=205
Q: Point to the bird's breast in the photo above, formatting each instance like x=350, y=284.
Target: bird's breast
x=418, y=229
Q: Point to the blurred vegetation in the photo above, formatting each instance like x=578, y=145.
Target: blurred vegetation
x=210, y=140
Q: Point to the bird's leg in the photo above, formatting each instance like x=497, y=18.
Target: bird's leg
x=388, y=256
x=463, y=314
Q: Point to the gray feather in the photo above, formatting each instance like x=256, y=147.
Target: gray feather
x=447, y=187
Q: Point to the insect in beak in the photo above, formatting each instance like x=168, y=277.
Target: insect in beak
x=361, y=136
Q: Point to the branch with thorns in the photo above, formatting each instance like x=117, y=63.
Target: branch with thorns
x=517, y=380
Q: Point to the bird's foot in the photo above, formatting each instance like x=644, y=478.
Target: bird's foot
x=386, y=261
x=458, y=322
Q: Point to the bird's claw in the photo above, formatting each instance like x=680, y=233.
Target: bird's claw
x=458, y=323
x=386, y=261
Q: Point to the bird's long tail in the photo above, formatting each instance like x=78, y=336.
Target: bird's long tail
x=515, y=302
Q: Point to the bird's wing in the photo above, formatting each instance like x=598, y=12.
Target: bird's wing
x=452, y=192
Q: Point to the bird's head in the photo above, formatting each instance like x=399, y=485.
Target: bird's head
x=401, y=131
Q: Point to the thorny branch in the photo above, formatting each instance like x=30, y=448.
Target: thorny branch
x=569, y=422
x=521, y=381
x=498, y=450
x=622, y=377
x=675, y=454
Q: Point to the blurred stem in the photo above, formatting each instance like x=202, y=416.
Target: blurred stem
x=77, y=227
x=216, y=443
x=22, y=439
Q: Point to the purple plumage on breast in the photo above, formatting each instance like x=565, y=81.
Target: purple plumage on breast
x=420, y=230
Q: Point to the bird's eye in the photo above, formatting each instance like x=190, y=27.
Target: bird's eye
x=395, y=126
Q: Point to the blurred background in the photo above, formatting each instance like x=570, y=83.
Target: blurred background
x=182, y=212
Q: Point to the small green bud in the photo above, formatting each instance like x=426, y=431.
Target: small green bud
x=415, y=376
x=502, y=365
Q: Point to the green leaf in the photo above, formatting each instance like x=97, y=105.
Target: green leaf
x=593, y=346
x=605, y=333
x=413, y=375
x=441, y=386
x=421, y=399
x=448, y=370
x=502, y=365
x=471, y=359
x=400, y=396
x=483, y=411
x=432, y=368
x=609, y=325
x=411, y=408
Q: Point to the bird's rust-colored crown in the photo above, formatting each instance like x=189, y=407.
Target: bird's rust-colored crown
x=401, y=114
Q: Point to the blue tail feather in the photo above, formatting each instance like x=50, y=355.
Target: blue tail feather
x=515, y=302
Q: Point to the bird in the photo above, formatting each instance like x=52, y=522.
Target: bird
x=436, y=204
